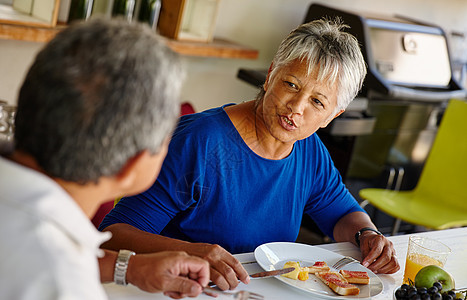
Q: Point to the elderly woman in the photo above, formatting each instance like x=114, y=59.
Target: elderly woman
x=242, y=175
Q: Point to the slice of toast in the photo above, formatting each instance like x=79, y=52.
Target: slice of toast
x=337, y=283
x=358, y=277
x=319, y=266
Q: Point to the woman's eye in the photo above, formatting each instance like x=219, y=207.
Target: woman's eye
x=317, y=102
x=291, y=84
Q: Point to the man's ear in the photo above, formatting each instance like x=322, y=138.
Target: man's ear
x=332, y=118
x=128, y=173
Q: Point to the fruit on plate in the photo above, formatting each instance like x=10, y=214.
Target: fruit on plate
x=303, y=275
x=428, y=275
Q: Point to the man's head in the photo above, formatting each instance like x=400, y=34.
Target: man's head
x=99, y=94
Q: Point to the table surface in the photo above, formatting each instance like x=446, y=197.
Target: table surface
x=272, y=288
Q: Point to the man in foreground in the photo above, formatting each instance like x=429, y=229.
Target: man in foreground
x=94, y=117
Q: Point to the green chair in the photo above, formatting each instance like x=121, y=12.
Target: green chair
x=439, y=200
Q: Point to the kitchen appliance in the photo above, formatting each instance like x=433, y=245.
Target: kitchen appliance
x=409, y=81
x=397, y=112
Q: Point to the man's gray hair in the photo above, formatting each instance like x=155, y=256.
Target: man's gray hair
x=325, y=46
x=98, y=94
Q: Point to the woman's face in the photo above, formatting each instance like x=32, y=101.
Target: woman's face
x=296, y=105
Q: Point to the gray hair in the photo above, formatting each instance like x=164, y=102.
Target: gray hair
x=324, y=44
x=98, y=94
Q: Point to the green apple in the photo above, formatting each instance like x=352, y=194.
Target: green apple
x=431, y=274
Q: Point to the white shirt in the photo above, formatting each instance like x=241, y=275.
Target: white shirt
x=48, y=247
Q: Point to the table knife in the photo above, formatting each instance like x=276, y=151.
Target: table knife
x=267, y=274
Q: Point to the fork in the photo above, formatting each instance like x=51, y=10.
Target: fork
x=240, y=295
x=344, y=261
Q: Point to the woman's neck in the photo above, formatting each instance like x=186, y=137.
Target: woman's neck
x=248, y=120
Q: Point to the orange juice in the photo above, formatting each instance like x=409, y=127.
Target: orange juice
x=415, y=262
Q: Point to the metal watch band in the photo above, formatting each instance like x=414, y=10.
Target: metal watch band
x=121, y=265
x=359, y=233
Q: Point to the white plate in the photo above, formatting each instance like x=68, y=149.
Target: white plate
x=273, y=256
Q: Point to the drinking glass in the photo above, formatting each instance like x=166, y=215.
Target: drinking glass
x=422, y=252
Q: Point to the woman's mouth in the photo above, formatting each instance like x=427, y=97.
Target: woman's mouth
x=287, y=123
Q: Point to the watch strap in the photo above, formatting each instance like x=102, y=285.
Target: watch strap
x=121, y=266
x=361, y=231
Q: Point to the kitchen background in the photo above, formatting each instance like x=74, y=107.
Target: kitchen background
x=259, y=24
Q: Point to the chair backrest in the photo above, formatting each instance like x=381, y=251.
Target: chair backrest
x=444, y=176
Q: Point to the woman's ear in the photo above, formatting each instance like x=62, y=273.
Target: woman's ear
x=266, y=82
x=332, y=118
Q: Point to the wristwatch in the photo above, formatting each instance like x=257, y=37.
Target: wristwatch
x=359, y=233
x=121, y=265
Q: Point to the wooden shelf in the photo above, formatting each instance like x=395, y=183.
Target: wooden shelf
x=28, y=33
x=218, y=48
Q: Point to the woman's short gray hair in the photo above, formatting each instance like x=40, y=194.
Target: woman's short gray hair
x=98, y=94
x=324, y=45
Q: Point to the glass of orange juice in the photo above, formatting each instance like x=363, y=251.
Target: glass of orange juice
x=422, y=252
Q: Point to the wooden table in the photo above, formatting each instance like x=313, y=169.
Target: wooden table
x=272, y=288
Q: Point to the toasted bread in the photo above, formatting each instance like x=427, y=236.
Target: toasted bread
x=358, y=277
x=319, y=266
x=337, y=283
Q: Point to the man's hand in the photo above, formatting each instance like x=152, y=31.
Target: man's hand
x=378, y=253
x=176, y=274
x=226, y=270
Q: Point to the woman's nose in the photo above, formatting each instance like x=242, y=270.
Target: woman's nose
x=297, y=104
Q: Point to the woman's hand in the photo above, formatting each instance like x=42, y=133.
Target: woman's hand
x=378, y=253
x=176, y=274
x=226, y=270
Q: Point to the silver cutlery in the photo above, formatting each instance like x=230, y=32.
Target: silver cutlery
x=266, y=274
x=240, y=295
x=344, y=261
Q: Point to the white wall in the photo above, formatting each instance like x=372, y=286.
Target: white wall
x=15, y=59
x=260, y=24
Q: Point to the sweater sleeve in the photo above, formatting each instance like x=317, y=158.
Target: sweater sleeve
x=330, y=199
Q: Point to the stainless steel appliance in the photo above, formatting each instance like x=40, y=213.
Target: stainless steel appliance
x=409, y=81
